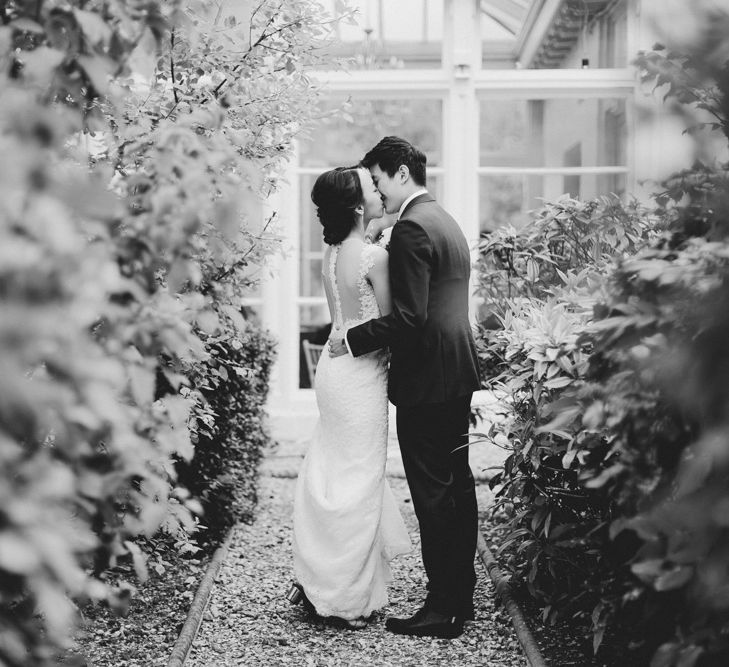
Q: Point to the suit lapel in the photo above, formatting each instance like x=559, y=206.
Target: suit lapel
x=425, y=197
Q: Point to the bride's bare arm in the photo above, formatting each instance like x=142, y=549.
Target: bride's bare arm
x=378, y=225
x=379, y=278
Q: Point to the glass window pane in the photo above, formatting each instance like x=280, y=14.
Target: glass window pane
x=501, y=23
x=508, y=199
x=314, y=326
x=501, y=201
x=435, y=186
x=311, y=248
x=351, y=128
x=560, y=132
x=391, y=35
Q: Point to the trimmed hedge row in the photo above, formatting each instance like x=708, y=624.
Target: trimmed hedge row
x=222, y=472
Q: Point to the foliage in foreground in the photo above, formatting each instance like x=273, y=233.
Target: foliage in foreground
x=617, y=411
x=138, y=143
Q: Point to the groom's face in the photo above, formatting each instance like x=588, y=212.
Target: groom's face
x=390, y=188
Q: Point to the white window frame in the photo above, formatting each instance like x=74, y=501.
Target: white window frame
x=461, y=84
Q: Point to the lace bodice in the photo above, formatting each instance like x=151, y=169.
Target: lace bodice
x=366, y=307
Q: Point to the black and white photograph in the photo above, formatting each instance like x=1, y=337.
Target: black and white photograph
x=364, y=333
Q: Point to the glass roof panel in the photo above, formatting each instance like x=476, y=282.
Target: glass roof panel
x=401, y=21
x=508, y=14
x=386, y=34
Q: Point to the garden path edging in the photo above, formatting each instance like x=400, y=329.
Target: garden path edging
x=197, y=607
x=503, y=590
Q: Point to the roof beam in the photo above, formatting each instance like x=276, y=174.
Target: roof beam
x=535, y=28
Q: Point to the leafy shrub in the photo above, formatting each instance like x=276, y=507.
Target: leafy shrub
x=138, y=143
x=617, y=484
x=649, y=425
x=566, y=235
x=544, y=284
x=222, y=472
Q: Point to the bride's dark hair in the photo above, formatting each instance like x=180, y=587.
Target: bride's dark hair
x=336, y=194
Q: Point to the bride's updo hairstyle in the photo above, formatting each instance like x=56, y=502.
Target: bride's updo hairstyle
x=336, y=194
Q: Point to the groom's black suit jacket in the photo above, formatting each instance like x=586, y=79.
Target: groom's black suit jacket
x=433, y=354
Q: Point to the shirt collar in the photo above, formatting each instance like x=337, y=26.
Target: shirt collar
x=422, y=191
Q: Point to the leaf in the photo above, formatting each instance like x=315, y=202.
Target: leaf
x=17, y=555
x=143, y=60
x=99, y=70
x=141, y=382
x=648, y=570
x=227, y=218
x=594, y=416
x=235, y=316
x=605, y=476
x=39, y=65
x=675, y=578
x=176, y=380
x=688, y=657
x=693, y=473
x=178, y=410
x=27, y=25
x=63, y=31
x=95, y=29
x=558, y=382
x=597, y=638
x=208, y=322
x=568, y=458
x=665, y=656
x=138, y=560
x=120, y=599
x=57, y=609
x=563, y=419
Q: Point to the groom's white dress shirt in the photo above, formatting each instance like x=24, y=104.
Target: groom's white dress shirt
x=417, y=193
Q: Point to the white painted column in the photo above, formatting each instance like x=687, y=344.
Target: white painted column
x=461, y=59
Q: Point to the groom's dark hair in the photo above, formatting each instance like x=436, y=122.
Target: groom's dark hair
x=391, y=152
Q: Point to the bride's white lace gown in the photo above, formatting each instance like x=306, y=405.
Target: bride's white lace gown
x=346, y=523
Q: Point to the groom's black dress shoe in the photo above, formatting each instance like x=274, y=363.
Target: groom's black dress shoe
x=427, y=623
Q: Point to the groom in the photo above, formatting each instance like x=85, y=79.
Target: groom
x=433, y=374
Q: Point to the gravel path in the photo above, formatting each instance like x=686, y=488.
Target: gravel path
x=249, y=621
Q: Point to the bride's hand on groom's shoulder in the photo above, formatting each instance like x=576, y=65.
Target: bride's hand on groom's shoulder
x=337, y=348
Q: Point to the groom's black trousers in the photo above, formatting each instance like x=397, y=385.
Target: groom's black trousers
x=444, y=498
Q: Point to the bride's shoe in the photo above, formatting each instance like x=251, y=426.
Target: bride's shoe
x=348, y=623
x=296, y=595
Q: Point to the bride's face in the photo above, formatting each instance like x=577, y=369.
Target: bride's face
x=372, y=201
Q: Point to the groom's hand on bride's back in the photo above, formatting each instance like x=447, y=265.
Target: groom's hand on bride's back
x=337, y=347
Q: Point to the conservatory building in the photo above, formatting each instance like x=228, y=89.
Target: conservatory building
x=513, y=102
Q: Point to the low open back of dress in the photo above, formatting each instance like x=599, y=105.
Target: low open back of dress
x=350, y=296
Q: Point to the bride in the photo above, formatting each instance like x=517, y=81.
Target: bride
x=346, y=523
